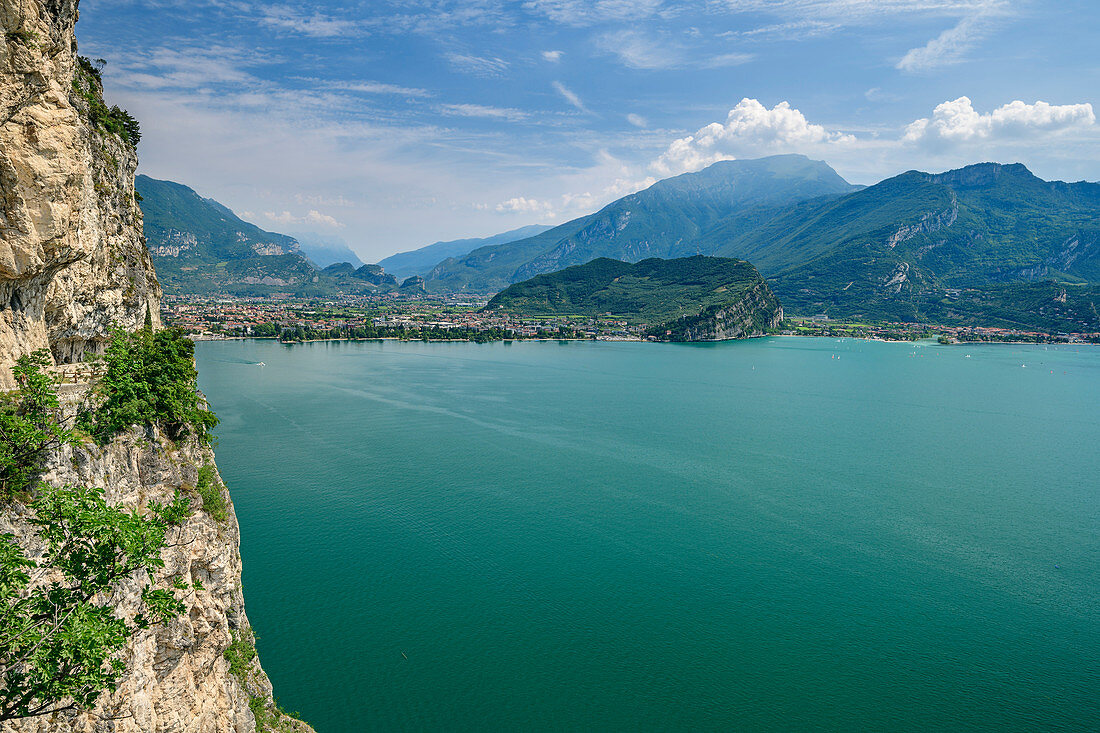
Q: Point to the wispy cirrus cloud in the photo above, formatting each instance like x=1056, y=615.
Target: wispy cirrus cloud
x=951, y=46
x=486, y=66
x=313, y=24
x=641, y=50
x=569, y=96
x=484, y=112
x=594, y=12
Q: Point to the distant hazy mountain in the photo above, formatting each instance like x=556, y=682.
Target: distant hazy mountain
x=325, y=250
x=665, y=220
x=421, y=261
x=910, y=247
x=199, y=245
x=684, y=299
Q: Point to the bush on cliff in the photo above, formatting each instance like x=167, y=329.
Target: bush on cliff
x=151, y=381
x=30, y=425
x=59, y=640
x=60, y=635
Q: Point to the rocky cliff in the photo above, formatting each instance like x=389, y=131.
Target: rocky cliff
x=73, y=264
x=178, y=676
x=754, y=313
x=72, y=258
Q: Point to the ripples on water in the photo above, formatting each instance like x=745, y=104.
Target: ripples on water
x=783, y=533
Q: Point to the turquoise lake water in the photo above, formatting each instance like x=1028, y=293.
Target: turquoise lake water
x=778, y=534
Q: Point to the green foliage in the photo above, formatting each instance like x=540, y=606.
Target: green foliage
x=151, y=381
x=213, y=498
x=240, y=654
x=88, y=85
x=30, y=425
x=223, y=256
x=650, y=291
x=59, y=640
x=23, y=38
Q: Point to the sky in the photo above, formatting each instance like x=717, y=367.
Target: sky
x=392, y=124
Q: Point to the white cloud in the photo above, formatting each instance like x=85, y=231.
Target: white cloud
x=570, y=97
x=481, y=111
x=592, y=12
x=750, y=129
x=957, y=122
x=477, y=65
x=947, y=48
x=314, y=25
x=638, y=50
x=552, y=56
x=637, y=120
x=798, y=30
x=314, y=217
x=523, y=205
x=377, y=87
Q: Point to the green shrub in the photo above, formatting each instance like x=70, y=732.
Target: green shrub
x=30, y=425
x=88, y=85
x=213, y=498
x=151, y=381
x=61, y=641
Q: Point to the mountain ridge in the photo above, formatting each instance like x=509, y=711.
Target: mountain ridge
x=693, y=298
x=663, y=220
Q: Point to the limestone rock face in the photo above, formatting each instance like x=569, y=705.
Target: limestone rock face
x=72, y=258
x=73, y=264
x=757, y=312
x=177, y=676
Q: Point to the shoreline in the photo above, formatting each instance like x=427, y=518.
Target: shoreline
x=928, y=341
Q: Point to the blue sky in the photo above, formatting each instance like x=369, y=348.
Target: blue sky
x=395, y=123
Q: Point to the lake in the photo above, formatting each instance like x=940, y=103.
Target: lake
x=776, y=534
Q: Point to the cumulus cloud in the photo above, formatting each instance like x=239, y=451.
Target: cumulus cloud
x=314, y=217
x=552, y=56
x=957, y=122
x=749, y=129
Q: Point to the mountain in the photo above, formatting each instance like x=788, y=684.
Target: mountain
x=665, y=220
x=686, y=299
x=421, y=261
x=922, y=246
x=323, y=251
x=373, y=274
x=198, y=245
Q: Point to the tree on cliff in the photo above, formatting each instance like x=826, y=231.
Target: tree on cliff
x=59, y=634
x=60, y=637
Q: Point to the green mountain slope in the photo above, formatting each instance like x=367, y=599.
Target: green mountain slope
x=200, y=246
x=421, y=261
x=898, y=249
x=665, y=220
x=689, y=298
